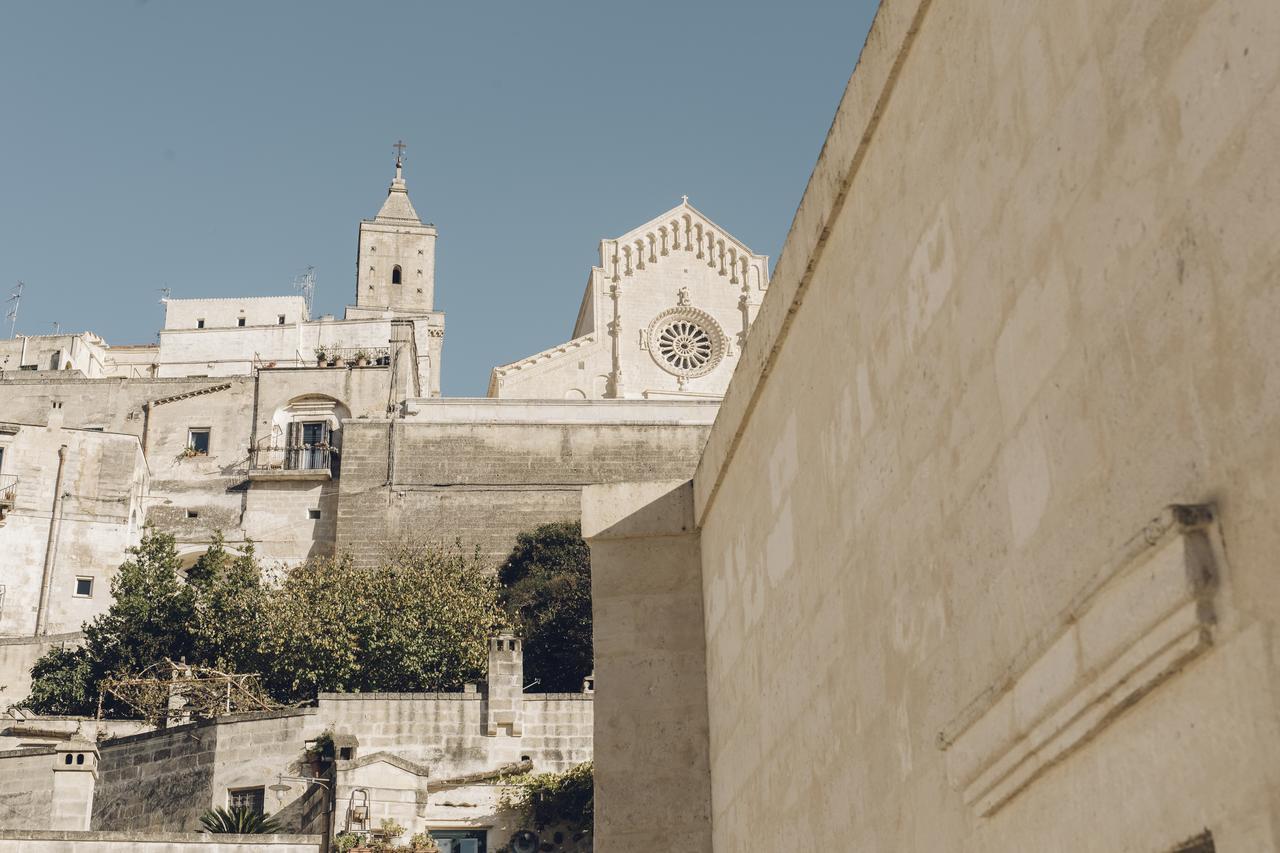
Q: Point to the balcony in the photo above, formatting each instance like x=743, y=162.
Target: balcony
x=352, y=356
x=8, y=494
x=301, y=463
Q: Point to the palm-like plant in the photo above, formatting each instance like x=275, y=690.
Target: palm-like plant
x=239, y=820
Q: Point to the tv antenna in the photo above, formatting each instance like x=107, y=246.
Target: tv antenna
x=15, y=297
x=57, y=327
x=305, y=283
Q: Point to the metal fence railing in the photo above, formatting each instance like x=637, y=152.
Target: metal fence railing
x=301, y=457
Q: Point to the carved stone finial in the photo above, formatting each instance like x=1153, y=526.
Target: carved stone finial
x=684, y=199
x=682, y=297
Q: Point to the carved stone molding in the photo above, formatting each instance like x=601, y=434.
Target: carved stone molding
x=686, y=342
x=1129, y=631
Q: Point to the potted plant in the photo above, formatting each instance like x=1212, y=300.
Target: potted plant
x=322, y=355
x=333, y=352
x=422, y=842
x=362, y=358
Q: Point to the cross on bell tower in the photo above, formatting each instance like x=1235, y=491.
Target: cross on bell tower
x=399, y=147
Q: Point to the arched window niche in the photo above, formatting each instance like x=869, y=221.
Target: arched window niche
x=306, y=435
x=395, y=274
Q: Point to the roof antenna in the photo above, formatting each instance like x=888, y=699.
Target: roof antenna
x=14, y=297
x=305, y=283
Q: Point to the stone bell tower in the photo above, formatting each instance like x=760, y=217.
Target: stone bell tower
x=396, y=260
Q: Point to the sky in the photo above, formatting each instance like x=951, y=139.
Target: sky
x=220, y=148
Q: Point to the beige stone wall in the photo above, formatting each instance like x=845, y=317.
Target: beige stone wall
x=1028, y=301
x=652, y=789
x=100, y=515
x=483, y=471
x=26, y=787
x=163, y=781
x=160, y=842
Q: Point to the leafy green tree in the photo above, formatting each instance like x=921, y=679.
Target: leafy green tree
x=230, y=608
x=419, y=622
x=62, y=684
x=546, y=592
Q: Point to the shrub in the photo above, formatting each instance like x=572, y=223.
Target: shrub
x=238, y=821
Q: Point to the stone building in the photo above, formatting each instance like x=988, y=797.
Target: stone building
x=663, y=317
x=248, y=411
x=980, y=552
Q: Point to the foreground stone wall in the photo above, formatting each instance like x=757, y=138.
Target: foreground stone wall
x=988, y=516
x=164, y=842
x=163, y=781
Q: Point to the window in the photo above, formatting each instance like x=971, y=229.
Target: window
x=84, y=587
x=280, y=319
x=313, y=514
x=252, y=799
x=459, y=841
x=395, y=274
x=198, y=441
x=55, y=360
x=191, y=513
x=199, y=324
x=239, y=321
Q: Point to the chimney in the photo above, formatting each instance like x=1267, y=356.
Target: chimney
x=506, y=686
x=75, y=772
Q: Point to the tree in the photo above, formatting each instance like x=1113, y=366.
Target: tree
x=150, y=619
x=421, y=621
x=62, y=684
x=230, y=608
x=546, y=591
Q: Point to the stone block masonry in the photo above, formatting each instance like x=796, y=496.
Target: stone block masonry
x=482, y=483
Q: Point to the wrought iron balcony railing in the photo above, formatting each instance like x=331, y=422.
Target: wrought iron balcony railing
x=8, y=489
x=301, y=458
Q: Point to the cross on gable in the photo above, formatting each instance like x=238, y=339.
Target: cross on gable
x=399, y=146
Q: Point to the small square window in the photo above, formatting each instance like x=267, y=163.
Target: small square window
x=239, y=321
x=253, y=799
x=199, y=324
x=198, y=441
x=191, y=513
x=313, y=513
x=84, y=587
x=280, y=319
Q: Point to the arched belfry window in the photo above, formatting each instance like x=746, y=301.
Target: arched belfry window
x=395, y=275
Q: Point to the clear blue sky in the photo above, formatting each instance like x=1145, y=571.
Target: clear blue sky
x=218, y=148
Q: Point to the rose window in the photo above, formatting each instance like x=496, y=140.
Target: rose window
x=686, y=342
x=685, y=345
